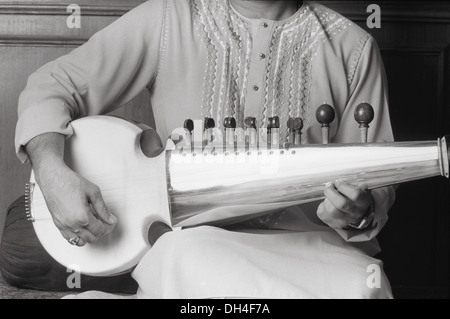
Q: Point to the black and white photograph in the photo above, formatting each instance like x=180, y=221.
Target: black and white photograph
x=224, y=154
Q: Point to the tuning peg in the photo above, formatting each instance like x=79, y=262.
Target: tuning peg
x=274, y=130
x=230, y=125
x=274, y=122
x=209, y=123
x=250, y=132
x=325, y=115
x=295, y=126
x=229, y=122
x=364, y=115
x=189, y=127
x=208, y=130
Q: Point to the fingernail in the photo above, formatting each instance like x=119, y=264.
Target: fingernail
x=338, y=182
x=328, y=184
x=112, y=219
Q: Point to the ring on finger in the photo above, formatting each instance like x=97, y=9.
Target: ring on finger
x=74, y=240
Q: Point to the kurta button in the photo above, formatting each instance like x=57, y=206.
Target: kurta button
x=262, y=56
x=264, y=24
x=255, y=87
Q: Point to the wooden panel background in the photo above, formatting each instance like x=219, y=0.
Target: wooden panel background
x=414, y=39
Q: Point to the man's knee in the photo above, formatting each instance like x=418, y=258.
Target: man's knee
x=23, y=261
x=371, y=284
x=194, y=242
x=181, y=263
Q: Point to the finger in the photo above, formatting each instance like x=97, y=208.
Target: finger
x=101, y=210
x=81, y=242
x=338, y=200
x=86, y=236
x=335, y=213
x=364, y=187
x=68, y=234
x=86, y=224
x=96, y=226
x=351, y=192
x=332, y=216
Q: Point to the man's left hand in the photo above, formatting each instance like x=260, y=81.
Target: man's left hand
x=344, y=204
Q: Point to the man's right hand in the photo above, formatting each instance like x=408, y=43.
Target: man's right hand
x=76, y=204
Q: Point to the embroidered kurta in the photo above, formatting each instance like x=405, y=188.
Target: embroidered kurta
x=201, y=58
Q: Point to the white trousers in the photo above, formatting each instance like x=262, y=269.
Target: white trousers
x=209, y=262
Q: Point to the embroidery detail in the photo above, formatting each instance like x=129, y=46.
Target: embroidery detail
x=293, y=48
x=228, y=43
x=354, y=61
x=287, y=79
x=277, y=99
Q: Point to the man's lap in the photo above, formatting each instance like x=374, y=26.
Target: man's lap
x=208, y=262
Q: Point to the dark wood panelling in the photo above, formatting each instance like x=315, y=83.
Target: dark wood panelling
x=416, y=240
x=87, y=9
x=416, y=77
x=395, y=11
x=40, y=42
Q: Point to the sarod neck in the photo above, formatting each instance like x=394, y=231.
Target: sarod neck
x=216, y=189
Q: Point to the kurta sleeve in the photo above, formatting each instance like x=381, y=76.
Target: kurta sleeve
x=115, y=65
x=369, y=85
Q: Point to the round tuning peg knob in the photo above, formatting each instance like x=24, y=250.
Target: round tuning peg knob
x=209, y=123
x=229, y=122
x=364, y=115
x=250, y=122
x=273, y=122
x=325, y=115
x=295, y=124
x=189, y=125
